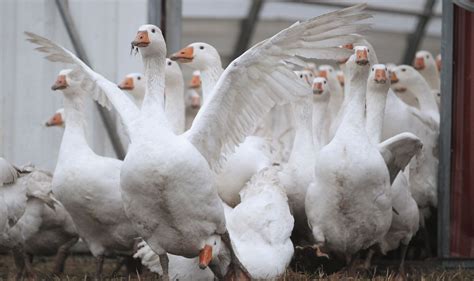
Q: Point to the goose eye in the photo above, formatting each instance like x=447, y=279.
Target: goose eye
x=169, y=63
x=427, y=56
x=368, y=51
x=139, y=78
x=310, y=75
x=301, y=75
x=404, y=69
x=372, y=69
x=201, y=47
x=153, y=30
x=324, y=82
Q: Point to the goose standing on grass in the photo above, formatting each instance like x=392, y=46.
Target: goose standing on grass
x=405, y=222
x=428, y=68
x=167, y=180
x=349, y=204
x=88, y=185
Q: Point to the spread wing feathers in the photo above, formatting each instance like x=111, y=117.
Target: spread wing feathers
x=397, y=152
x=8, y=173
x=259, y=79
x=101, y=90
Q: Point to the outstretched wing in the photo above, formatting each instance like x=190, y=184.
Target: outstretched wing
x=397, y=152
x=258, y=80
x=100, y=89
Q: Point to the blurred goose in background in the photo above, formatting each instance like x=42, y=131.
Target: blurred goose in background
x=438, y=62
x=88, y=185
x=157, y=180
x=423, y=122
x=336, y=96
x=340, y=78
x=193, y=98
x=428, y=68
x=134, y=84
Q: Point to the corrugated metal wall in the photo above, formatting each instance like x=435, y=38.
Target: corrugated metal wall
x=106, y=29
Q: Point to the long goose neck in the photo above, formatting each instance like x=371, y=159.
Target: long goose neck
x=319, y=128
x=153, y=103
x=74, y=134
x=431, y=76
x=303, y=142
x=422, y=92
x=209, y=78
x=354, y=115
x=174, y=105
x=375, y=111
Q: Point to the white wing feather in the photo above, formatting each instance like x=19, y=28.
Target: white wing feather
x=100, y=89
x=8, y=173
x=258, y=80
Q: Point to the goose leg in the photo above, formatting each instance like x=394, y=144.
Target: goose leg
x=19, y=263
x=237, y=271
x=403, y=253
x=164, y=261
x=133, y=265
x=99, y=265
x=62, y=255
x=368, y=259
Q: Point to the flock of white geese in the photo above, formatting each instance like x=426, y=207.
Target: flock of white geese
x=339, y=161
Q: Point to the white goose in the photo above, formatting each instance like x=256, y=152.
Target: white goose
x=249, y=157
x=424, y=122
x=134, y=84
x=349, y=204
x=405, y=222
x=168, y=189
x=87, y=184
x=428, y=68
x=298, y=173
x=193, y=98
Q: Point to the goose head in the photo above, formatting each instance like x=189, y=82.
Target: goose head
x=305, y=75
x=57, y=120
x=340, y=77
x=134, y=84
x=210, y=250
x=361, y=55
x=320, y=88
x=423, y=60
x=349, y=46
x=149, y=41
x=195, y=82
x=326, y=70
x=173, y=74
x=402, y=76
x=379, y=77
x=65, y=82
x=200, y=56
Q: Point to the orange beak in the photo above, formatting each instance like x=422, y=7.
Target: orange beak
x=419, y=63
x=127, y=84
x=60, y=83
x=318, y=88
x=141, y=40
x=438, y=64
x=195, y=82
x=56, y=120
x=393, y=78
x=195, y=101
x=340, y=78
x=205, y=256
x=380, y=76
x=362, y=57
x=323, y=73
x=183, y=55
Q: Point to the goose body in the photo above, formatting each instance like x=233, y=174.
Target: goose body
x=88, y=185
x=349, y=204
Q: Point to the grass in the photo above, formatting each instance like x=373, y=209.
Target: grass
x=81, y=268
